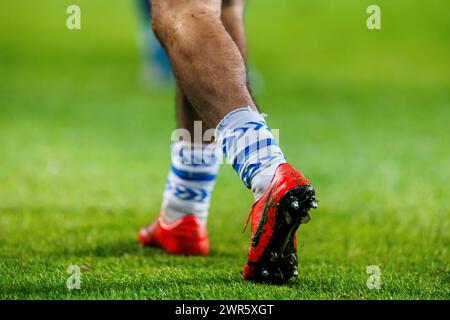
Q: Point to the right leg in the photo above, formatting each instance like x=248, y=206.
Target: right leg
x=211, y=72
x=232, y=16
x=207, y=63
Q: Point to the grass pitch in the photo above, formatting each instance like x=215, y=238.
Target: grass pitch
x=84, y=153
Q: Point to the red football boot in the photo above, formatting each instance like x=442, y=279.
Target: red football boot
x=272, y=255
x=187, y=236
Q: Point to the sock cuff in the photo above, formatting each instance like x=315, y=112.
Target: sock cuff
x=195, y=156
x=235, y=116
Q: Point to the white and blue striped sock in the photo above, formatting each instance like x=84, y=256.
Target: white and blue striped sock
x=191, y=181
x=249, y=146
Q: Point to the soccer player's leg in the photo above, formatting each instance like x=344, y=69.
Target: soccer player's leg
x=211, y=72
x=181, y=226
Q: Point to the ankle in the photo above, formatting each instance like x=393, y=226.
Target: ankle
x=261, y=182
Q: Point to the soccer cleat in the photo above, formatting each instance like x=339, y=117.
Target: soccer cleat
x=186, y=236
x=276, y=216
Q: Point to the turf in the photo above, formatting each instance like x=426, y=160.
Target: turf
x=84, y=153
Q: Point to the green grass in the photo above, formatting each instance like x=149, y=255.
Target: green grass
x=84, y=153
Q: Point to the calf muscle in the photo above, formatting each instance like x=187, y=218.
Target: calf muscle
x=208, y=65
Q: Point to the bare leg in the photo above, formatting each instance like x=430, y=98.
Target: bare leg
x=186, y=114
x=232, y=18
x=208, y=65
